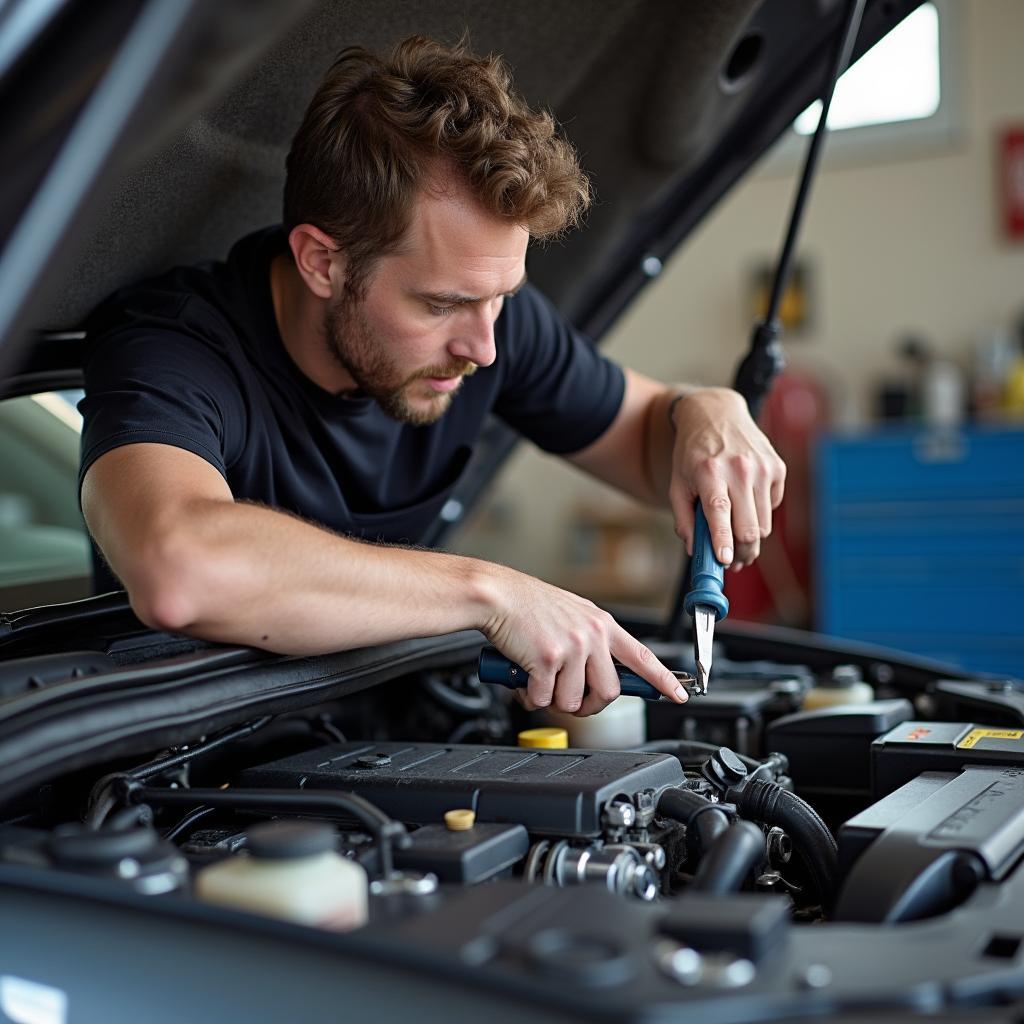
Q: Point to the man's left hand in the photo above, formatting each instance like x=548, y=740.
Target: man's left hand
x=721, y=457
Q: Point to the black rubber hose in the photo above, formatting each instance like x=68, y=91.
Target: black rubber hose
x=165, y=764
x=188, y=821
x=469, y=705
x=285, y=801
x=704, y=820
x=102, y=799
x=770, y=804
x=725, y=867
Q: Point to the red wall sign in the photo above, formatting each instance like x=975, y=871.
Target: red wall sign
x=1011, y=176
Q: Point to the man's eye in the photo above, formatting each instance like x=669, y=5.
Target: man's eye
x=440, y=310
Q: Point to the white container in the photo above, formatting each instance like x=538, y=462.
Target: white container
x=620, y=726
x=845, y=687
x=943, y=394
x=291, y=875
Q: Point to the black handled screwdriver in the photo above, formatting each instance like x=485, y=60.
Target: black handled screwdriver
x=495, y=668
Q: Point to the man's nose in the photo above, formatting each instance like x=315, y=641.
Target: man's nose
x=475, y=339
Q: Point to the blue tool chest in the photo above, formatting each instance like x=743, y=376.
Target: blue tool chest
x=920, y=543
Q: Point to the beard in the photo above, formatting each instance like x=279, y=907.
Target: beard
x=366, y=357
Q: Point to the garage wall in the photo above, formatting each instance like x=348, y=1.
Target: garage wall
x=911, y=243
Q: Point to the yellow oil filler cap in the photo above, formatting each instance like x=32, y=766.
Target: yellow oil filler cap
x=459, y=821
x=544, y=739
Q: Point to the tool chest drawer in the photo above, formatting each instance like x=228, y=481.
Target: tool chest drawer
x=920, y=543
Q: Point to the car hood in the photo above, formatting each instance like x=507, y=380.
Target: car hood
x=156, y=134
x=162, y=138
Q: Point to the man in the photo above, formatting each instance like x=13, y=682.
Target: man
x=266, y=437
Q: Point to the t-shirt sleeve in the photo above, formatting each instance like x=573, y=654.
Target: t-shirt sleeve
x=157, y=370
x=558, y=390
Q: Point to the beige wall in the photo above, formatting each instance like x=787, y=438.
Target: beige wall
x=908, y=243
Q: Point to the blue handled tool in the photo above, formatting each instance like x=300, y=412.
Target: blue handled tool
x=494, y=667
x=705, y=601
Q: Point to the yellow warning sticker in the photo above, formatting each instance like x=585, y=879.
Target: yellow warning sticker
x=972, y=739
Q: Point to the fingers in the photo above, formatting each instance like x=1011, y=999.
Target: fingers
x=541, y=687
x=589, y=689
x=681, y=500
x=763, y=503
x=580, y=684
x=714, y=491
x=643, y=661
x=721, y=456
x=569, y=687
x=778, y=484
x=566, y=645
x=738, y=495
x=602, y=684
x=522, y=698
x=746, y=527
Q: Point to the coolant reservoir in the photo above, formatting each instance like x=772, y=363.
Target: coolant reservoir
x=846, y=686
x=293, y=872
x=621, y=726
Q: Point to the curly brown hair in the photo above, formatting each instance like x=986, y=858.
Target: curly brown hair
x=377, y=128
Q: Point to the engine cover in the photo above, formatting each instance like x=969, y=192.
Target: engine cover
x=553, y=792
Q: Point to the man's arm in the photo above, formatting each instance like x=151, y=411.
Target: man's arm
x=709, y=448
x=193, y=560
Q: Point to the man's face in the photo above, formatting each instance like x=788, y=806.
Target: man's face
x=426, y=318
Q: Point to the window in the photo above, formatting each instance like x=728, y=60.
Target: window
x=901, y=96
x=897, y=80
x=44, y=550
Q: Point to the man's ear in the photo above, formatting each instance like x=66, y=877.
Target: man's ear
x=317, y=260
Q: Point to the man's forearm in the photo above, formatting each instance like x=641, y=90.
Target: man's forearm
x=635, y=453
x=660, y=436
x=246, y=574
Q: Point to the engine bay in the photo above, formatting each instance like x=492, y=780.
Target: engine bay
x=741, y=846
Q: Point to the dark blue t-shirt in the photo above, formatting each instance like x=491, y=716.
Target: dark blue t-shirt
x=193, y=359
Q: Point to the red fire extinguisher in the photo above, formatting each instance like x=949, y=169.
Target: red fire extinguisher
x=777, y=587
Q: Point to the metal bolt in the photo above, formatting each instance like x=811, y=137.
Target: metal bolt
x=651, y=266
x=452, y=511
x=409, y=883
x=785, y=687
x=645, y=883
x=736, y=974
x=681, y=963
x=815, y=976
x=620, y=815
x=128, y=867
x=653, y=853
x=882, y=673
x=780, y=846
x=847, y=675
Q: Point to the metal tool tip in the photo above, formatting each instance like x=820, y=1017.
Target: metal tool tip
x=701, y=685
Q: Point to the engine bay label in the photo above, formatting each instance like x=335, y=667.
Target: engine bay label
x=971, y=740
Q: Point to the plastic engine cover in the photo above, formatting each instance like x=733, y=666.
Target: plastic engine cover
x=555, y=792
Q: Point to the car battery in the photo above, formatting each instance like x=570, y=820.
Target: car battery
x=908, y=750
x=828, y=748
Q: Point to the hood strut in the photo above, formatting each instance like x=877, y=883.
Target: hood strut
x=765, y=358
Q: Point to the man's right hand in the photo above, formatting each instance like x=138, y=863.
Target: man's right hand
x=567, y=645
x=195, y=561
